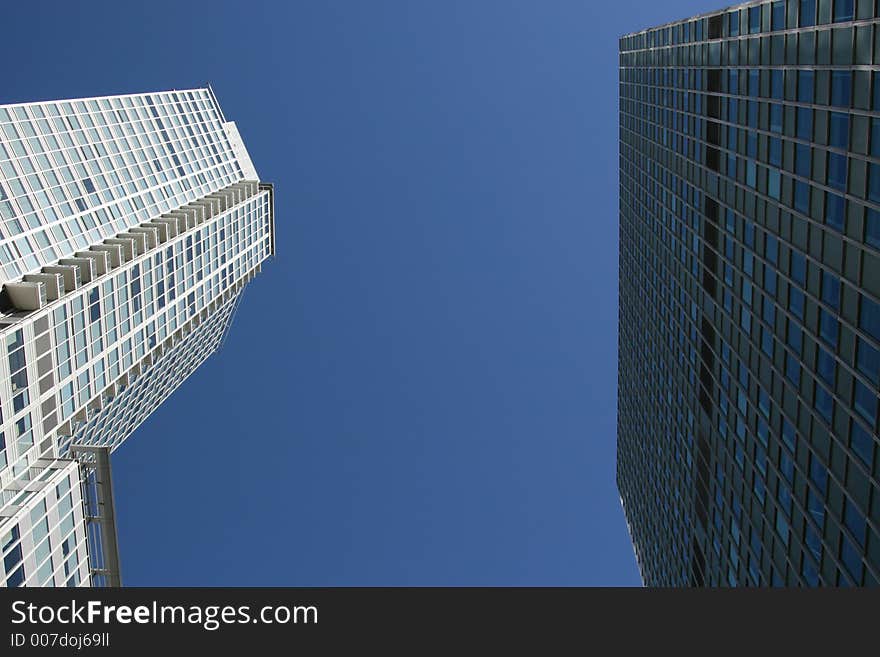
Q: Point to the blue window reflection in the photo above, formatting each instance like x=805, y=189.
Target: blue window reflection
x=807, y=13
x=839, y=130
x=837, y=168
x=841, y=88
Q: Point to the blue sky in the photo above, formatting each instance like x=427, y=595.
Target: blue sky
x=420, y=389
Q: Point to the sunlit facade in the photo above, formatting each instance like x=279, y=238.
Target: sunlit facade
x=130, y=226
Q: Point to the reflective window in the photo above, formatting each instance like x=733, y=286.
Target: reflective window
x=831, y=289
x=837, y=168
x=869, y=318
x=875, y=137
x=838, y=132
x=865, y=402
x=874, y=182
x=777, y=15
x=835, y=211
x=843, y=10
x=754, y=19
x=868, y=360
x=862, y=443
x=798, y=268
x=828, y=327
x=806, y=13
x=805, y=86
x=804, y=123
x=841, y=88
x=872, y=228
x=825, y=366
x=776, y=85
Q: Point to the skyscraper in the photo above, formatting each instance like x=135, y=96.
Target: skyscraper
x=749, y=336
x=129, y=226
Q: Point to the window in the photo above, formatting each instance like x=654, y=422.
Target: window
x=782, y=527
x=864, y=402
x=754, y=19
x=831, y=289
x=841, y=88
x=805, y=86
x=754, y=84
x=714, y=27
x=825, y=366
x=875, y=137
x=803, y=160
x=777, y=15
x=851, y=559
x=773, y=180
x=7, y=539
x=843, y=10
x=876, y=90
x=776, y=86
x=788, y=435
x=872, y=228
x=839, y=130
x=733, y=23
x=828, y=327
x=771, y=248
x=869, y=318
x=868, y=360
x=835, y=211
x=837, y=168
x=854, y=521
x=824, y=404
x=16, y=578
x=775, y=151
x=796, y=302
x=819, y=477
x=804, y=123
x=861, y=442
x=874, y=182
x=801, y=196
x=798, y=268
x=12, y=558
x=807, y=13
x=752, y=145
x=776, y=118
x=813, y=542
x=792, y=369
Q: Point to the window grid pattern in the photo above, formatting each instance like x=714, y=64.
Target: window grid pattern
x=75, y=172
x=86, y=341
x=144, y=202
x=750, y=296
x=44, y=542
x=135, y=402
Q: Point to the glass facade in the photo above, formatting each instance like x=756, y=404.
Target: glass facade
x=130, y=226
x=749, y=324
x=44, y=544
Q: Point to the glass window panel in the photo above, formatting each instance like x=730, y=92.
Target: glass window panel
x=837, y=168
x=872, y=228
x=843, y=10
x=841, y=88
x=806, y=13
x=839, y=130
x=805, y=90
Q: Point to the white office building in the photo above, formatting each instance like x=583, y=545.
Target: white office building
x=129, y=226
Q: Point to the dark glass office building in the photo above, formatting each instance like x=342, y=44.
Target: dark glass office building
x=749, y=363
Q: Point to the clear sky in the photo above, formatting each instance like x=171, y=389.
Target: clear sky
x=420, y=389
